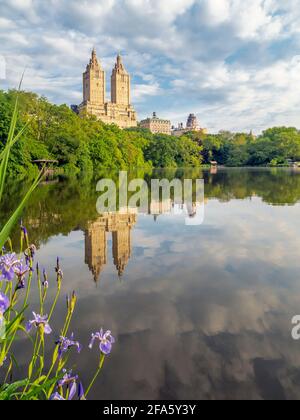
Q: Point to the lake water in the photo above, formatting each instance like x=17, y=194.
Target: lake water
x=198, y=312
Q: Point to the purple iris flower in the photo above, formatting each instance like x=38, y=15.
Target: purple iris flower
x=66, y=344
x=70, y=381
x=21, y=284
x=45, y=281
x=4, y=303
x=38, y=321
x=24, y=230
x=30, y=253
x=21, y=270
x=67, y=379
x=56, y=397
x=58, y=270
x=81, y=393
x=32, y=250
x=8, y=263
x=106, y=341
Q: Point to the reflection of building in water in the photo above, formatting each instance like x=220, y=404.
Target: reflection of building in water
x=171, y=207
x=95, y=248
x=161, y=207
x=120, y=225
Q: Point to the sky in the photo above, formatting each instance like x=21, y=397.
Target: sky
x=234, y=63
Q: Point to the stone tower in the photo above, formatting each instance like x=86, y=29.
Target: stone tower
x=94, y=82
x=119, y=111
x=120, y=84
x=122, y=248
x=192, y=123
x=120, y=225
x=96, y=248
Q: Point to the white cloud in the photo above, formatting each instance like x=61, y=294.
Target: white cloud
x=217, y=11
x=142, y=91
x=230, y=60
x=6, y=24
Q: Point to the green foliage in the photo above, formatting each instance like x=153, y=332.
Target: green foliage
x=84, y=146
x=4, y=162
x=171, y=152
x=274, y=147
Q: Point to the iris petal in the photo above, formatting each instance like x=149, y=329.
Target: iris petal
x=28, y=326
x=48, y=329
x=105, y=347
x=73, y=390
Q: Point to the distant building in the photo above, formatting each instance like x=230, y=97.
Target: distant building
x=119, y=111
x=191, y=125
x=157, y=125
x=120, y=225
x=75, y=108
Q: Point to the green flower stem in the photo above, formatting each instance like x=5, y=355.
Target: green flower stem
x=50, y=371
x=55, y=353
x=9, y=290
x=40, y=294
x=67, y=326
x=21, y=243
x=102, y=358
x=13, y=298
x=8, y=287
x=54, y=303
x=28, y=291
x=11, y=343
x=8, y=371
x=36, y=352
x=29, y=283
x=31, y=365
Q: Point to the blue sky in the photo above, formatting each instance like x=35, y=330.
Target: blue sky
x=234, y=63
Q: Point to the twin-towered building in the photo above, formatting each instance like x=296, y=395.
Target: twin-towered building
x=119, y=110
x=120, y=226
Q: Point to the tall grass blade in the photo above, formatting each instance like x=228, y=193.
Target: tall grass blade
x=4, y=234
x=10, y=141
x=6, y=152
x=16, y=138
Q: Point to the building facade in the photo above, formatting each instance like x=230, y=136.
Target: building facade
x=120, y=225
x=157, y=125
x=191, y=125
x=119, y=110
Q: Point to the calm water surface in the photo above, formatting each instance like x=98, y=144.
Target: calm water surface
x=200, y=312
